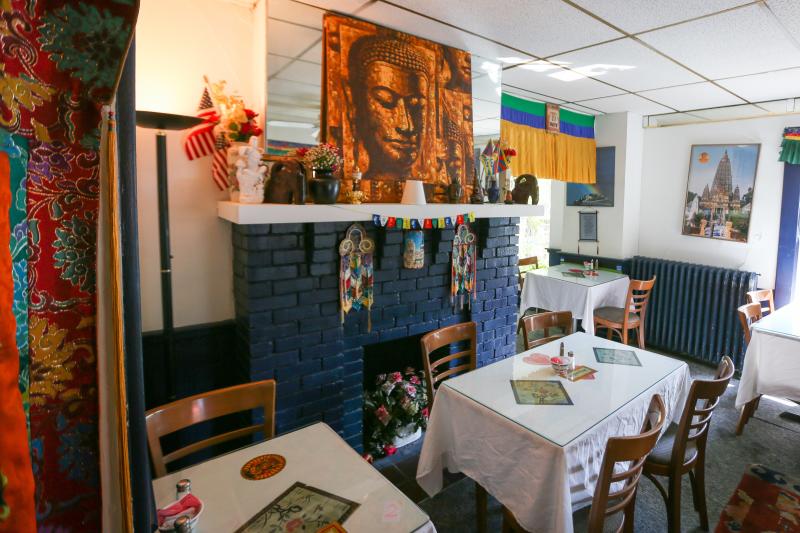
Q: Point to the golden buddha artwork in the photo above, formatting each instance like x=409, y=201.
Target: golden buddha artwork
x=399, y=106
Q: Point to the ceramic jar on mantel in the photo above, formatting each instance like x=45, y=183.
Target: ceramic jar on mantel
x=324, y=186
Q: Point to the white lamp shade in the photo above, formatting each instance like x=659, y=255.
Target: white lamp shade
x=413, y=193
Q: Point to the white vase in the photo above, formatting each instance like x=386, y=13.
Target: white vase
x=406, y=435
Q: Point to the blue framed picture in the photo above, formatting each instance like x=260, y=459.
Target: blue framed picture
x=600, y=194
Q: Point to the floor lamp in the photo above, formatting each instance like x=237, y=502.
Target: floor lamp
x=163, y=122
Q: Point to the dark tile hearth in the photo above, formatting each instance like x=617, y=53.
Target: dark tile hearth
x=453, y=509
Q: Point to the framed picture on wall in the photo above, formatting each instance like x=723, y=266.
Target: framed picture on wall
x=719, y=191
x=587, y=226
x=601, y=193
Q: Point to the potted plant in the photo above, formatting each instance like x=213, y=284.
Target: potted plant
x=323, y=159
x=395, y=412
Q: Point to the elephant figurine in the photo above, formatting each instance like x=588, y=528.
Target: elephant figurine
x=287, y=183
x=526, y=186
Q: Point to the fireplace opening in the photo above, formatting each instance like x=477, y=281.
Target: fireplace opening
x=391, y=356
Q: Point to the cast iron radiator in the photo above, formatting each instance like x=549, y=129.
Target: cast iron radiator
x=692, y=309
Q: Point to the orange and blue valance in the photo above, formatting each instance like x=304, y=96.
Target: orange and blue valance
x=569, y=155
x=790, y=146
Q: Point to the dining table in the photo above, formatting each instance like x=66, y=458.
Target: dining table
x=542, y=460
x=772, y=359
x=567, y=287
x=314, y=456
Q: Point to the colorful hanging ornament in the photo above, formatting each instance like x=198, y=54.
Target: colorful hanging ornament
x=462, y=269
x=355, y=274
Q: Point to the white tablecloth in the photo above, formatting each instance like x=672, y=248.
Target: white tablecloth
x=540, y=482
x=771, y=366
x=555, y=292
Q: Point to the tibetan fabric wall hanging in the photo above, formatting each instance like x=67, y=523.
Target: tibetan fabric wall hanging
x=61, y=61
x=398, y=106
x=790, y=146
x=568, y=155
x=462, y=267
x=355, y=273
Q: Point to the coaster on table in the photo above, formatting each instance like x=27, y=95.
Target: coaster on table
x=263, y=466
x=581, y=372
x=537, y=359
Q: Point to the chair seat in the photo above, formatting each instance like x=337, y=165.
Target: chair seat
x=616, y=315
x=662, y=453
x=580, y=521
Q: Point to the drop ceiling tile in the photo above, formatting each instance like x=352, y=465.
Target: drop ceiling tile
x=276, y=63
x=767, y=86
x=486, y=89
x=544, y=27
x=744, y=41
x=296, y=12
x=289, y=40
x=730, y=113
x=314, y=55
x=788, y=13
x=544, y=83
x=582, y=109
x=301, y=91
x=694, y=96
x=627, y=64
x=490, y=126
x=405, y=21
x=302, y=72
x=639, y=15
x=482, y=109
x=672, y=119
x=787, y=105
x=626, y=102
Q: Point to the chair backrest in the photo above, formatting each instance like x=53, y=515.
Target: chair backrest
x=632, y=450
x=763, y=295
x=189, y=411
x=454, y=363
x=749, y=313
x=703, y=398
x=638, y=296
x=532, y=262
x=545, y=321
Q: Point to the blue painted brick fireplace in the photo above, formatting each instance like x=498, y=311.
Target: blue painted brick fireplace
x=287, y=311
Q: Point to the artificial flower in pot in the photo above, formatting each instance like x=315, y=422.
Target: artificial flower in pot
x=323, y=160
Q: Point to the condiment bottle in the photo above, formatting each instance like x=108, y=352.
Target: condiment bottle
x=571, y=360
x=182, y=488
x=182, y=525
x=561, y=351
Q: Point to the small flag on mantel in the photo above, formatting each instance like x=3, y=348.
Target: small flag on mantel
x=383, y=221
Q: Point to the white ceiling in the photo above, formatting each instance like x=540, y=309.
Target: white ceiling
x=592, y=56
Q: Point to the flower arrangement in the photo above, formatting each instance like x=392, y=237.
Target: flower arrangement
x=324, y=156
x=509, y=153
x=236, y=122
x=398, y=404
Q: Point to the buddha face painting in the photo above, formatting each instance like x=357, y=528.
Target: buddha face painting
x=386, y=98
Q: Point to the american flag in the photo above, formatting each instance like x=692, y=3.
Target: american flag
x=199, y=141
x=219, y=164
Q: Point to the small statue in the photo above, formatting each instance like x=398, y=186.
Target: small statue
x=287, y=183
x=250, y=173
x=477, y=191
x=525, y=187
x=454, y=190
x=355, y=196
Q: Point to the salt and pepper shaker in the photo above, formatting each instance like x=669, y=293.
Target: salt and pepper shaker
x=571, y=360
x=182, y=525
x=183, y=487
x=561, y=350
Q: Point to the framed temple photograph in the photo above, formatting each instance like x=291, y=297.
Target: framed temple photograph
x=719, y=191
x=398, y=106
x=600, y=193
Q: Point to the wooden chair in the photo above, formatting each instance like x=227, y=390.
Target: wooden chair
x=544, y=321
x=454, y=364
x=763, y=295
x=614, y=510
x=749, y=314
x=617, y=320
x=682, y=448
x=532, y=262
x=183, y=413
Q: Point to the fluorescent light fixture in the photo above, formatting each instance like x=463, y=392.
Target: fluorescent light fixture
x=289, y=124
x=567, y=75
x=542, y=65
x=595, y=70
x=513, y=60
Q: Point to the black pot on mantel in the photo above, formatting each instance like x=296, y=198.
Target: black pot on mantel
x=324, y=187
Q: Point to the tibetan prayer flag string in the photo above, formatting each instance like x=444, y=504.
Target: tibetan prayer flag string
x=790, y=146
x=462, y=267
x=383, y=221
x=569, y=155
x=356, y=272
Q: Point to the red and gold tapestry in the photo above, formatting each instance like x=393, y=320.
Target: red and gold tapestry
x=399, y=106
x=61, y=61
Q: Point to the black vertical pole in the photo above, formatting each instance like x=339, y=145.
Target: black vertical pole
x=166, y=262
x=144, y=520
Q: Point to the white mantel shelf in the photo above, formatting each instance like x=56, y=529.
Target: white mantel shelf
x=289, y=213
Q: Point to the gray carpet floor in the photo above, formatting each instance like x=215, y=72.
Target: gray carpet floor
x=767, y=439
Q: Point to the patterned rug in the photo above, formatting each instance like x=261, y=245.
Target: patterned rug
x=765, y=500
